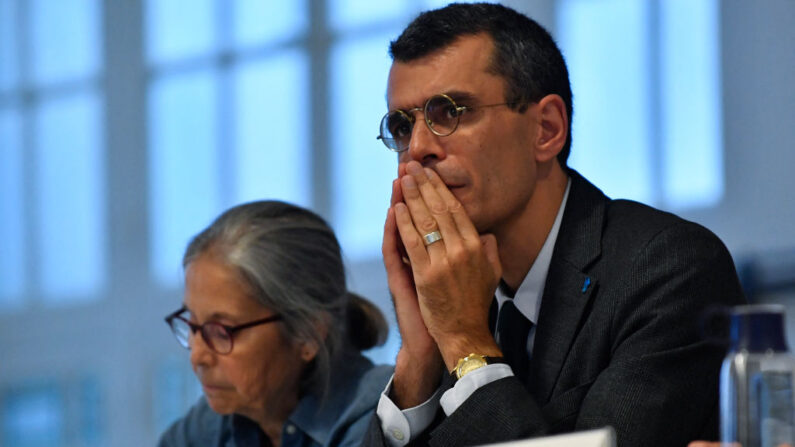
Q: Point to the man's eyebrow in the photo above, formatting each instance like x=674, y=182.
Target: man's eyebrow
x=459, y=95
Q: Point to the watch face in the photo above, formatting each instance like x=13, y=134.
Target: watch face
x=470, y=364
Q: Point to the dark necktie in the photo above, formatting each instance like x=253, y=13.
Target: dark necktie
x=512, y=331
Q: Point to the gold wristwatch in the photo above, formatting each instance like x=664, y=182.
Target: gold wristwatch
x=472, y=362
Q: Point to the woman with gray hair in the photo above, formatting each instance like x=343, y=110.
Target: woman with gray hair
x=274, y=335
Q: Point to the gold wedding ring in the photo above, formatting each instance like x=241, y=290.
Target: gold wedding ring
x=433, y=236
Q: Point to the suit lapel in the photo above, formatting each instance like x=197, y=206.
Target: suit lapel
x=568, y=288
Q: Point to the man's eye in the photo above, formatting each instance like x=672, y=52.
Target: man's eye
x=453, y=111
x=404, y=130
x=400, y=128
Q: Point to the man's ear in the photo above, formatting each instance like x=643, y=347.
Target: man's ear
x=553, y=127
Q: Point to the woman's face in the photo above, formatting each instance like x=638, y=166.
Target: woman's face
x=260, y=377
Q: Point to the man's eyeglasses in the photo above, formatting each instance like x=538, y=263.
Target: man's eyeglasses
x=442, y=116
x=217, y=336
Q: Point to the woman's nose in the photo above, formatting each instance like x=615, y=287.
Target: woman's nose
x=200, y=352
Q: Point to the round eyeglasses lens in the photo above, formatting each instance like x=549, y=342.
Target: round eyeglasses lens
x=217, y=338
x=396, y=130
x=442, y=115
x=181, y=331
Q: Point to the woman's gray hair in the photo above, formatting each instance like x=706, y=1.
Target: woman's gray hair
x=291, y=260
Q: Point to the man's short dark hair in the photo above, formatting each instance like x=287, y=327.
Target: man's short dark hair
x=525, y=54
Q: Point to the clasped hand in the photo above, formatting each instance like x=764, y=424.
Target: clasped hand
x=443, y=292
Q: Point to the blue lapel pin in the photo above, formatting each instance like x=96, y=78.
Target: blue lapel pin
x=586, y=284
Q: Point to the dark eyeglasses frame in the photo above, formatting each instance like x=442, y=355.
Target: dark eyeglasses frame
x=391, y=143
x=230, y=330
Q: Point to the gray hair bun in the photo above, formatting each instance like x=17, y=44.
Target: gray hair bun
x=367, y=327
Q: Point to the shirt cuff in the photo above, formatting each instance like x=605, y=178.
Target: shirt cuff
x=399, y=426
x=464, y=387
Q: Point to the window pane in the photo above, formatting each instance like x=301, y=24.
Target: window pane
x=258, y=22
x=348, y=13
x=8, y=44
x=184, y=190
x=362, y=167
x=271, y=129
x=174, y=391
x=65, y=39
x=435, y=4
x=178, y=29
x=692, y=134
x=86, y=420
x=32, y=416
x=12, y=262
x=606, y=47
x=71, y=199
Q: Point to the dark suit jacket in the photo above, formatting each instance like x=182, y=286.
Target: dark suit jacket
x=618, y=340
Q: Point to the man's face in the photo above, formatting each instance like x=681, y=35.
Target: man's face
x=488, y=162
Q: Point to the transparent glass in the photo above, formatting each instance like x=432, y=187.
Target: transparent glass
x=257, y=22
x=691, y=124
x=70, y=197
x=32, y=415
x=362, y=170
x=183, y=166
x=272, y=157
x=346, y=14
x=65, y=40
x=9, y=50
x=757, y=405
x=12, y=216
x=656, y=64
x=609, y=85
x=179, y=29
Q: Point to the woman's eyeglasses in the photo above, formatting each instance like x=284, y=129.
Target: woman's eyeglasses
x=217, y=336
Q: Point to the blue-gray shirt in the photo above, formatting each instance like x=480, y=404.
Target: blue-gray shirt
x=340, y=419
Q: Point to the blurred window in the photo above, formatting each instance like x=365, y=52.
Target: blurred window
x=51, y=158
x=362, y=168
x=33, y=416
x=647, y=110
x=66, y=412
x=175, y=389
x=229, y=115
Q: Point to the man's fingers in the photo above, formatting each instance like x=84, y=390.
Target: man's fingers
x=464, y=226
x=397, y=193
x=412, y=240
x=401, y=282
x=389, y=245
x=429, y=210
x=421, y=206
x=420, y=214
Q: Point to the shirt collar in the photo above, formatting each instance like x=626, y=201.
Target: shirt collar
x=316, y=415
x=528, y=297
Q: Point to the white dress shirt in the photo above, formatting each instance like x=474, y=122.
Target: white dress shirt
x=400, y=426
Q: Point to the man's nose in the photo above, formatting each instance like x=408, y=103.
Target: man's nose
x=424, y=145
